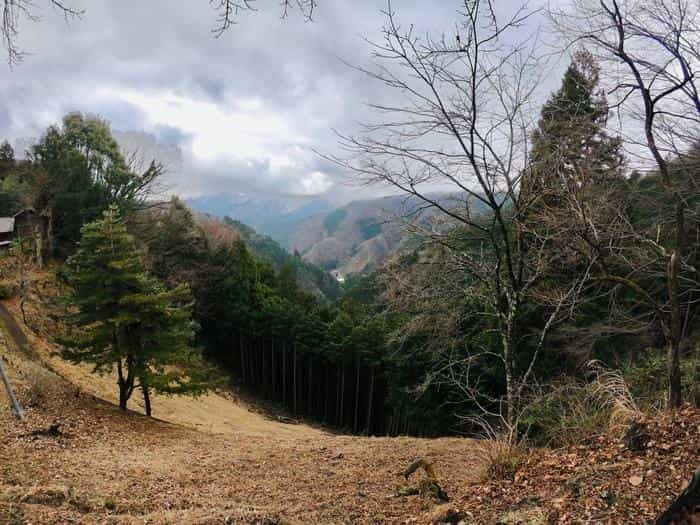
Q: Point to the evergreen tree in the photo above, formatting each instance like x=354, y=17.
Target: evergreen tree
x=80, y=172
x=571, y=151
x=123, y=318
x=7, y=158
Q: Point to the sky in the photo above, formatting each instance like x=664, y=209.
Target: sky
x=243, y=113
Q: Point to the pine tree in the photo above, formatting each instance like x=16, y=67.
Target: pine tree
x=125, y=319
x=571, y=150
x=7, y=159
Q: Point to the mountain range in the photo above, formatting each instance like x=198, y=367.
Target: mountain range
x=345, y=240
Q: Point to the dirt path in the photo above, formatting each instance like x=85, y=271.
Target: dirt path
x=15, y=334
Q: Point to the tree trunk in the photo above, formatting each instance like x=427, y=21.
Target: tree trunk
x=342, y=395
x=126, y=384
x=326, y=392
x=263, y=374
x=284, y=374
x=368, y=431
x=675, y=392
x=272, y=369
x=242, y=353
x=146, y=399
x=49, y=232
x=357, y=397
x=39, y=245
x=294, y=378
x=309, y=401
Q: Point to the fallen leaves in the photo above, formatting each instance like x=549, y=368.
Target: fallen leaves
x=635, y=481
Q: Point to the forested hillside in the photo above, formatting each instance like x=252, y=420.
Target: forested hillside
x=516, y=319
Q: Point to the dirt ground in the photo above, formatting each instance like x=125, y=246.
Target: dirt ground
x=215, y=461
x=202, y=461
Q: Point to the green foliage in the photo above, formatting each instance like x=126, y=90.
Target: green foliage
x=332, y=221
x=14, y=194
x=7, y=158
x=649, y=386
x=123, y=317
x=308, y=276
x=7, y=289
x=78, y=171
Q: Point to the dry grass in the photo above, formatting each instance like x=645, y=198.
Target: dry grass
x=231, y=464
x=500, y=460
x=39, y=384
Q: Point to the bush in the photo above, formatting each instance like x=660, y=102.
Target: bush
x=42, y=385
x=501, y=460
x=646, y=376
x=7, y=289
x=572, y=411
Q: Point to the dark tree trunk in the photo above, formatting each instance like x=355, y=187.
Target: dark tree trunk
x=243, y=360
x=326, y=392
x=272, y=369
x=294, y=378
x=284, y=374
x=342, y=395
x=309, y=399
x=369, y=403
x=126, y=383
x=357, y=397
x=146, y=399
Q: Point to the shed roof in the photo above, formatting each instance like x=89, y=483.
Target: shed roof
x=7, y=224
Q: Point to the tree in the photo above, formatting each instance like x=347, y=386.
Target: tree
x=122, y=318
x=649, y=52
x=460, y=119
x=7, y=158
x=572, y=152
x=228, y=11
x=79, y=171
x=12, y=12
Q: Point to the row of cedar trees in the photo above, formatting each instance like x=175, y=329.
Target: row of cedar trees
x=348, y=395
x=324, y=362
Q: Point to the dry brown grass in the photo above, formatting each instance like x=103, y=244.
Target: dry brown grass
x=231, y=464
x=500, y=460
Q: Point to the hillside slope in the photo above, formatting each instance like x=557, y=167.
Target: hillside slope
x=108, y=466
x=104, y=466
x=351, y=239
x=358, y=237
x=309, y=277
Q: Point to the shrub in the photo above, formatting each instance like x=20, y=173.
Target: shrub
x=7, y=289
x=574, y=411
x=501, y=460
x=646, y=376
x=42, y=385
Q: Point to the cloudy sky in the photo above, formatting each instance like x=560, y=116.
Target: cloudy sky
x=241, y=113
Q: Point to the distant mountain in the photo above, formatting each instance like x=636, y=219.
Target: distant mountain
x=277, y=217
x=348, y=240
x=358, y=237
x=354, y=238
x=309, y=277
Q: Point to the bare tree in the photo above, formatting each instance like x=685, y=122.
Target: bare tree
x=649, y=54
x=13, y=11
x=461, y=122
x=228, y=11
